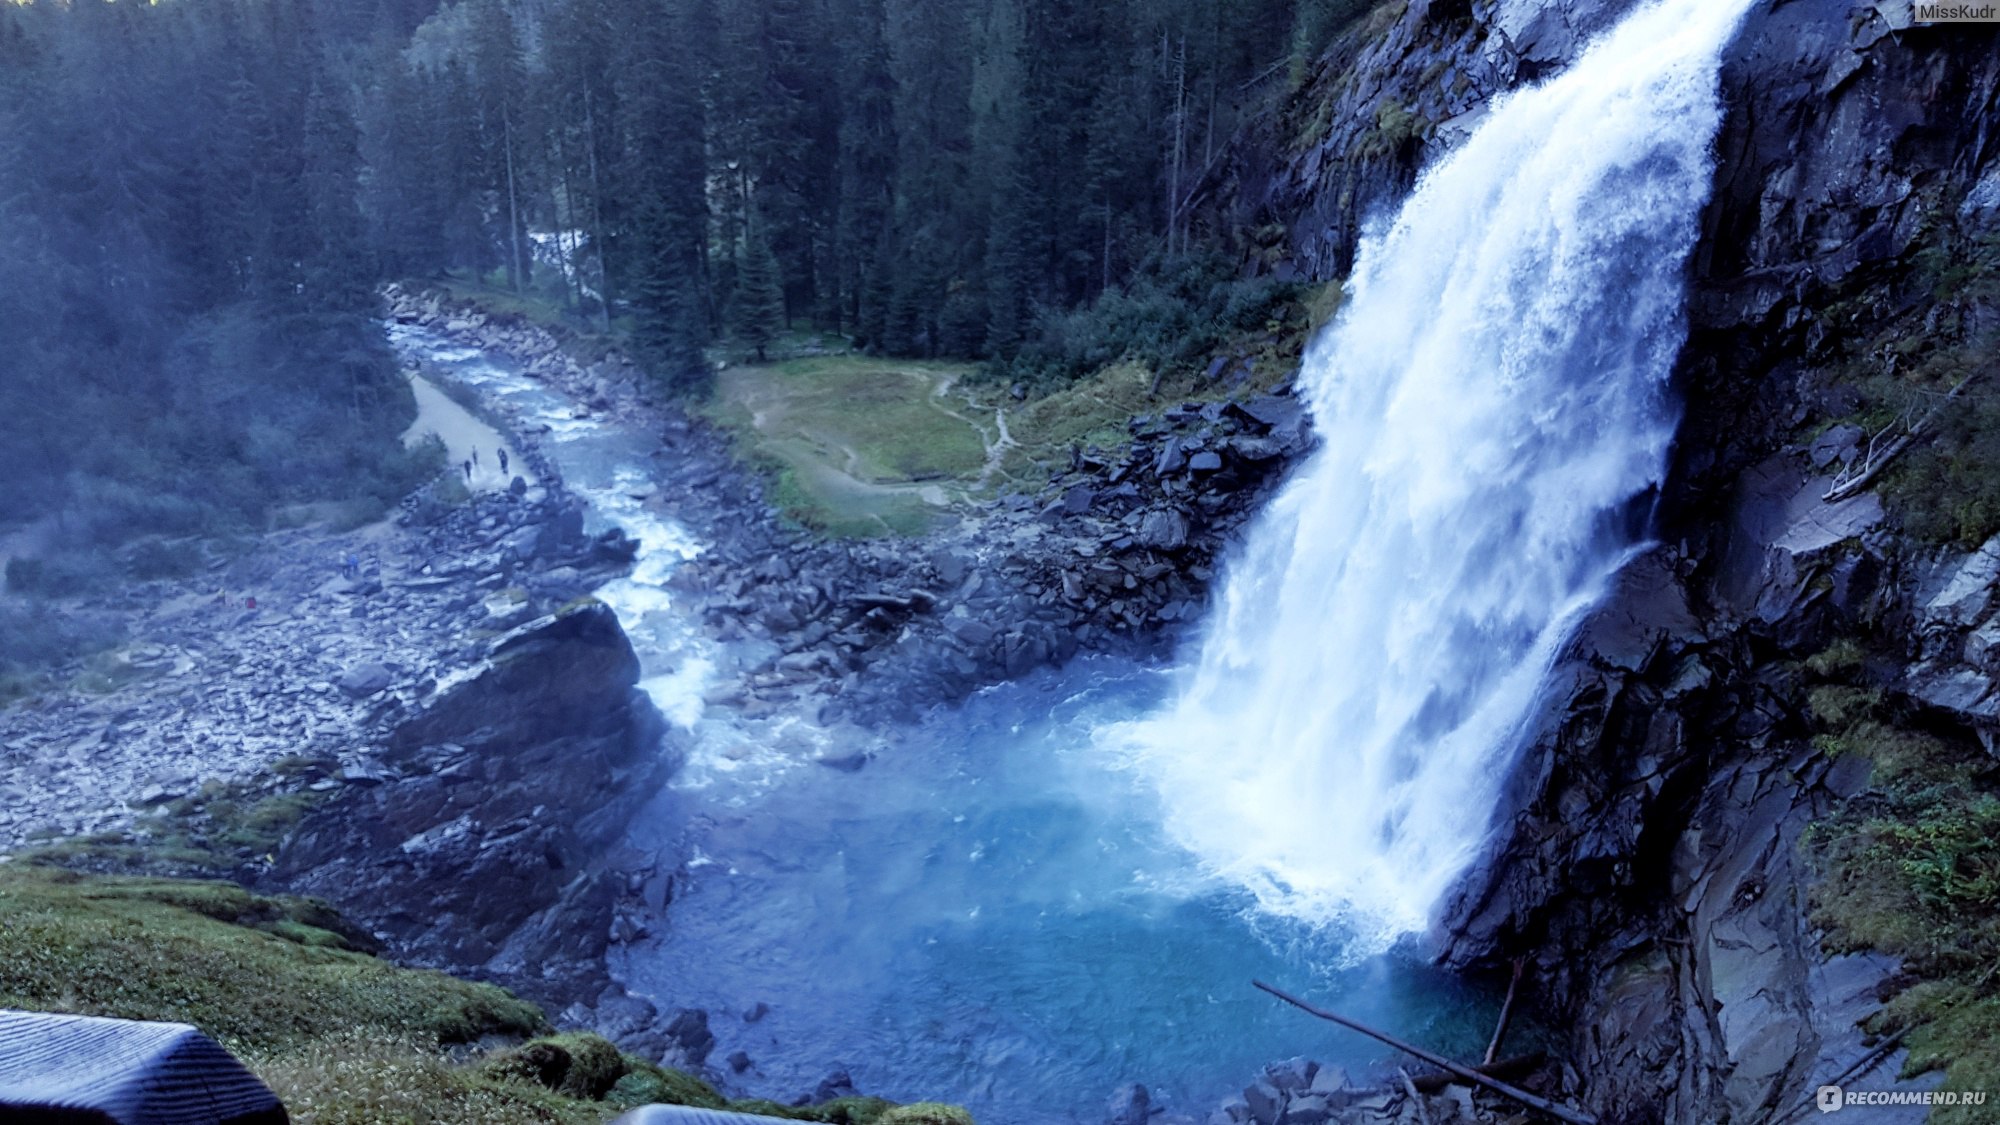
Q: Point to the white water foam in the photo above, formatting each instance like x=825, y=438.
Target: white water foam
x=1492, y=398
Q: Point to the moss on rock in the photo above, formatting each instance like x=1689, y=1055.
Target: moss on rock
x=343, y=1037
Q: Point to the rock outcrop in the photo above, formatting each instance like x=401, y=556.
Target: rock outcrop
x=481, y=850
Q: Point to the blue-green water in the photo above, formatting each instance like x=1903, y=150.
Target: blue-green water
x=987, y=914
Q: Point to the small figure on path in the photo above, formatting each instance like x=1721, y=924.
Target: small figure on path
x=468, y=472
x=503, y=462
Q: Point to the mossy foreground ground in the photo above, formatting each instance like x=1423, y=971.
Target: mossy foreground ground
x=343, y=1037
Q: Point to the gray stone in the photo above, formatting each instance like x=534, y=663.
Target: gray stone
x=1307, y=1109
x=1293, y=1074
x=1838, y=444
x=364, y=680
x=1207, y=461
x=978, y=634
x=1266, y=1102
x=1330, y=1080
x=1130, y=1105
x=1164, y=529
x=1966, y=588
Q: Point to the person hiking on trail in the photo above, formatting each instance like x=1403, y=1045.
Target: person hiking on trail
x=468, y=472
x=475, y=455
x=350, y=567
x=503, y=462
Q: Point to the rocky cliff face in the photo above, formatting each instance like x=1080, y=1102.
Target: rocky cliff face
x=481, y=850
x=1645, y=858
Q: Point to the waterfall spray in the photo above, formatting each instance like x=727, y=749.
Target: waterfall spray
x=1492, y=397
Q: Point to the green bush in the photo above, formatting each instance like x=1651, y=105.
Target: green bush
x=1175, y=318
x=1911, y=868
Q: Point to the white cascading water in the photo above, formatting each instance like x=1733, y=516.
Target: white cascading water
x=1492, y=398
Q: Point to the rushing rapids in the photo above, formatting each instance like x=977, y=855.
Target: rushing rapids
x=1495, y=407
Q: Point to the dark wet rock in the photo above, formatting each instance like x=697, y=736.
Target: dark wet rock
x=620, y=1015
x=483, y=856
x=839, y=1084
x=846, y=763
x=739, y=1061
x=1130, y=1105
x=690, y=1037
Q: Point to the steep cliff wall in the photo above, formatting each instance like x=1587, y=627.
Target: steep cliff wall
x=1645, y=859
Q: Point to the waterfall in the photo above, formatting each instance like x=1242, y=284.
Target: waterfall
x=1492, y=400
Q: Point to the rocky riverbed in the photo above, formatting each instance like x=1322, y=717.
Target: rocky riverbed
x=282, y=653
x=1113, y=554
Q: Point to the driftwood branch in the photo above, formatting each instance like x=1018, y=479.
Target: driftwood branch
x=1853, y=480
x=1506, y=1010
x=1513, y=1093
x=1506, y=1070
x=1416, y=1099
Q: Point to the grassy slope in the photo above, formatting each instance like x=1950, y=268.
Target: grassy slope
x=852, y=442
x=344, y=1038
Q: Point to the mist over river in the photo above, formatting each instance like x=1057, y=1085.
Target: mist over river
x=987, y=909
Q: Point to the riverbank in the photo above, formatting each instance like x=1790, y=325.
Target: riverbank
x=1180, y=474
x=1113, y=554
x=294, y=655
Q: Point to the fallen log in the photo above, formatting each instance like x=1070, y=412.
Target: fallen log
x=1512, y=1093
x=1506, y=1070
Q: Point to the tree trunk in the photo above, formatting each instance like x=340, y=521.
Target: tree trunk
x=515, y=272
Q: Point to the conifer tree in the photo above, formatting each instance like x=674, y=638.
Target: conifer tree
x=757, y=307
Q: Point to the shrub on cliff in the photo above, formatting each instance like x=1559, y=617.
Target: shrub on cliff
x=1910, y=867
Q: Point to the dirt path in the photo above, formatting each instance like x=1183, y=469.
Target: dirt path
x=474, y=448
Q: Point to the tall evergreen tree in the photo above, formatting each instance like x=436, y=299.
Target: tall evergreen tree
x=757, y=307
x=662, y=179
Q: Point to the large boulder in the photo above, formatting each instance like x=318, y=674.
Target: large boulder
x=486, y=854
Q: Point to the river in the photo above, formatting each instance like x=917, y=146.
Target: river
x=1070, y=881
x=988, y=912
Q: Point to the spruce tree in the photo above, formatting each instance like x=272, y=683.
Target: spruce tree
x=757, y=307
